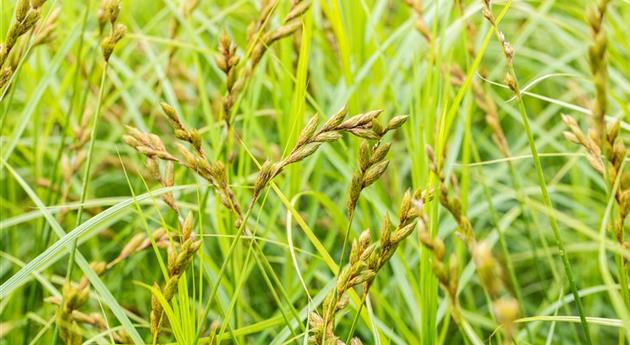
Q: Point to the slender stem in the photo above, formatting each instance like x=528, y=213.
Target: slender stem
x=86, y=176
x=527, y=218
x=502, y=242
x=355, y=320
x=341, y=265
x=244, y=277
x=230, y=252
x=547, y=202
x=345, y=239
x=622, y=267
x=88, y=166
x=215, y=288
x=56, y=181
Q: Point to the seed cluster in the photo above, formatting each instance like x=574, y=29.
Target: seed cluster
x=178, y=261
x=487, y=105
x=372, y=162
x=605, y=149
x=73, y=298
x=261, y=39
x=366, y=260
x=505, y=307
x=310, y=139
x=599, y=68
x=614, y=152
x=109, y=13
x=69, y=317
x=27, y=14
x=418, y=8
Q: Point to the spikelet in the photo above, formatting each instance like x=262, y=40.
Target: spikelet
x=418, y=8
x=372, y=162
x=261, y=39
x=27, y=15
x=74, y=296
x=448, y=272
x=310, y=139
x=147, y=144
x=506, y=47
x=599, y=68
x=602, y=140
x=452, y=204
x=178, y=262
x=110, y=11
x=366, y=260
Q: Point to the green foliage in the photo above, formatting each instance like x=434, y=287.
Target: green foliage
x=314, y=171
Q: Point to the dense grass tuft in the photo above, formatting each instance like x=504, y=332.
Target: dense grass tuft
x=314, y=172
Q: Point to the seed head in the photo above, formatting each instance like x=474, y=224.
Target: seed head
x=187, y=227
x=335, y=120
x=267, y=172
x=386, y=231
x=379, y=153
x=109, y=43
x=302, y=153
x=21, y=8
x=297, y=10
x=374, y=172
x=355, y=341
x=511, y=82
x=359, y=120
x=37, y=3
x=327, y=137
x=308, y=130
x=397, y=121
x=364, y=155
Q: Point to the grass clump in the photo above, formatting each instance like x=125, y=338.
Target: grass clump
x=235, y=172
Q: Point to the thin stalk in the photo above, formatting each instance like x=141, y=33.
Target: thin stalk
x=227, y=260
x=528, y=225
x=531, y=217
x=345, y=239
x=341, y=265
x=502, y=242
x=215, y=288
x=275, y=294
x=88, y=166
x=623, y=285
x=620, y=261
x=239, y=286
x=355, y=320
x=547, y=202
x=512, y=81
x=428, y=281
x=56, y=180
x=262, y=261
x=247, y=269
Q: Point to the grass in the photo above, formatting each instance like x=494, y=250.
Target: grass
x=314, y=172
